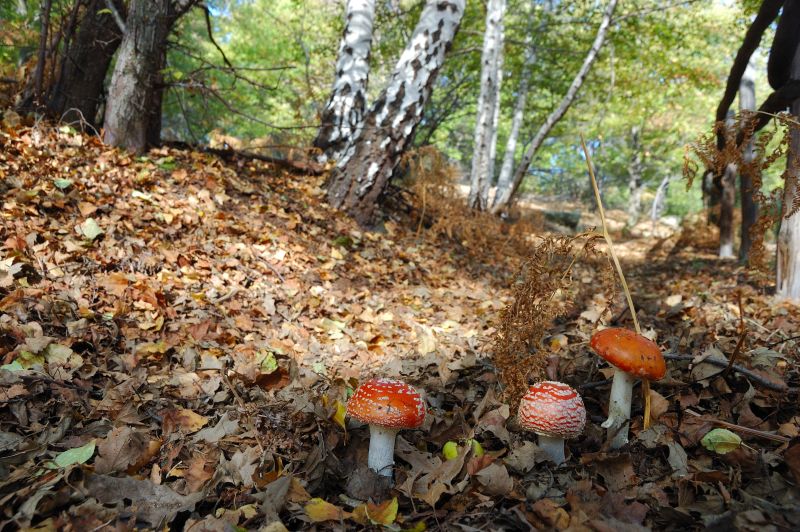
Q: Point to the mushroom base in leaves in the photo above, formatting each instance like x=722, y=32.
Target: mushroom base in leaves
x=553, y=448
x=633, y=357
x=387, y=406
x=381, y=449
x=619, y=409
x=555, y=412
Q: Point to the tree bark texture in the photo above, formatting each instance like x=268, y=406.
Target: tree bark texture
x=482, y=171
x=726, y=207
x=34, y=98
x=507, y=167
x=635, y=178
x=506, y=195
x=76, y=96
x=345, y=108
x=788, y=274
x=747, y=102
x=368, y=162
x=134, y=99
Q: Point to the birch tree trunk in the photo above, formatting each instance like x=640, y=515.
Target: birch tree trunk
x=506, y=195
x=345, y=108
x=134, y=96
x=660, y=199
x=727, y=203
x=726, y=207
x=77, y=94
x=635, y=179
x=788, y=275
x=747, y=102
x=370, y=158
x=482, y=170
x=507, y=167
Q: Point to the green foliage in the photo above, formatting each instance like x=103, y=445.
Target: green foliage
x=662, y=69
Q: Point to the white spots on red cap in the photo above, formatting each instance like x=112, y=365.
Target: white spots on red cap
x=553, y=409
x=388, y=403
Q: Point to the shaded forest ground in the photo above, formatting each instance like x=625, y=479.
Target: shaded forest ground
x=190, y=328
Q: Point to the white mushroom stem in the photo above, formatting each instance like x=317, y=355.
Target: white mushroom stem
x=619, y=408
x=553, y=448
x=381, y=449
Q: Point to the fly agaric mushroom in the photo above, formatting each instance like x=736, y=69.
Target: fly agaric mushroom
x=387, y=406
x=633, y=356
x=555, y=412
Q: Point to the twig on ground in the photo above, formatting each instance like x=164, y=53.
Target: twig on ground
x=740, y=428
x=758, y=379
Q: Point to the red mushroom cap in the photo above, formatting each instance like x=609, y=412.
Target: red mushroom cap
x=630, y=352
x=388, y=403
x=553, y=409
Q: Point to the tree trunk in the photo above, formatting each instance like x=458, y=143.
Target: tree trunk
x=661, y=197
x=387, y=130
x=482, y=171
x=788, y=275
x=504, y=197
x=32, y=95
x=727, y=205
x=76, y=96
x=635, y=179
x=747, y=102
x=726, y=187
x=345, y=108
x=506, y=169
x=134, y=97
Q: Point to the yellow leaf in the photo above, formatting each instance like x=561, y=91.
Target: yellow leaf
x=319, y=510
x=384, y=513
x=338, y=415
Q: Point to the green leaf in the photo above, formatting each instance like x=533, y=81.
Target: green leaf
x=91, y=229
x=104, y=11
x=62, y=184
x=267, y=362
x=721, y=441
x=14, y=366
x=78, y=455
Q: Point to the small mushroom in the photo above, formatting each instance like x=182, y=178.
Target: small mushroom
x=387, y=406
x=555, y=412
x=633, y=356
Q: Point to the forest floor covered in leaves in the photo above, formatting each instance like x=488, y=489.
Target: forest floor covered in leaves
x=179, y=335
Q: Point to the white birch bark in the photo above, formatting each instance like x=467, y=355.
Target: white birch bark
x=345, y=108
x=507, y=167
x=504, y=196
x=488, y=106
x=747, y=102
x=635, y=179
x=788, y=275
x=367, y=164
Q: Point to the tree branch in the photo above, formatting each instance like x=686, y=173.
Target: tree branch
x=558, y=112
x=766, y=14
x=115, y=14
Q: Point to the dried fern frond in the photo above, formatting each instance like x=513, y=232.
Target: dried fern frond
x=543, y=291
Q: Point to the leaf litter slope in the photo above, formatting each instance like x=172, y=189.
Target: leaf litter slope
x=179, y=336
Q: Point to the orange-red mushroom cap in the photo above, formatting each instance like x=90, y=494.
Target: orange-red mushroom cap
x=553, y=409
x=387, y=402
x=630, y=352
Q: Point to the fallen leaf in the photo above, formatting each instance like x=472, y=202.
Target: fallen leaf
x=495, y=480
x=184, y=419
x=721, y=441
x=77, y=455
x=319, y=510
